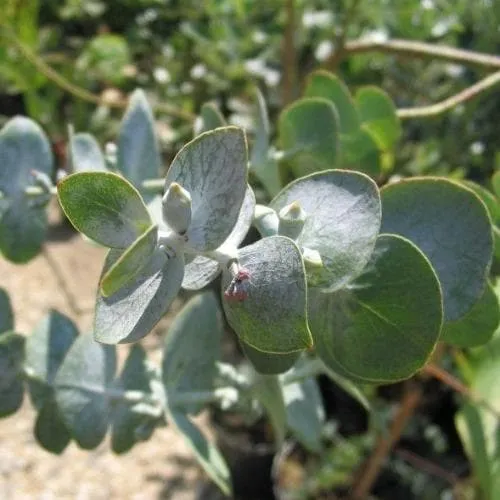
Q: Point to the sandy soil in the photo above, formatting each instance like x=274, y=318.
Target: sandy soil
x=160, y=468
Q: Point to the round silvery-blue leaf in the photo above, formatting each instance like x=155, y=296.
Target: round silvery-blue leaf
x=133, y=311
x=273, y=315
x=343, y=221
x=213, y=169
x=85, y=154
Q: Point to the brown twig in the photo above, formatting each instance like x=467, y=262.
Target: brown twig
x=422, y=50
x=61, y=281
x=448, y=379
x=449, y=103
x=79, y=92
x=372, y=467
x=427, y=466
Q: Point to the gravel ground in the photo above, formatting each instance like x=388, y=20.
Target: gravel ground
x=163, y=467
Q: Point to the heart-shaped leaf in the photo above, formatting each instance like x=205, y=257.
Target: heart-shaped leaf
x=378, y=115
x=130, y=262
x=309, y=135
x=82, y=390
x=192, y=347
x=24, y=148
x=86, y=155
x=201, y=270
x=11, y=376
x=6, y=314
x=46, y=349
x=129, y=425
x=478, y=325
x=267, y=363
x=384, y=326
x=104, y=207
x=208, y=456
x=328, y=86
x=138, y=151
x=451, y=226
x=213, y=169
x=343, y=220
x=133, y=311
x=273, y=317
x=210, y=118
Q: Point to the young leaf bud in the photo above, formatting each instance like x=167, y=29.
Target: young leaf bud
x=177, y=208
x=313, y=263
x=292, y=219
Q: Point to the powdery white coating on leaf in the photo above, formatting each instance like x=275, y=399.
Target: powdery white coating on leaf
x=451, y=226
x=138, y=151
x=343, y=222
x=273, y=318
x=134, y=310
x=86, y=154
x=201, y=271
x=213, y=169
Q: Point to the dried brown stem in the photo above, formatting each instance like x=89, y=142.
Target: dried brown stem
x=372, y=467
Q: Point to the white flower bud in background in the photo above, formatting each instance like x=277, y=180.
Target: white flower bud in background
x=292, y=220
x=177, y=208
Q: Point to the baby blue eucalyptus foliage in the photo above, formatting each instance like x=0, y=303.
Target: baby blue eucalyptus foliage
x=347, y=279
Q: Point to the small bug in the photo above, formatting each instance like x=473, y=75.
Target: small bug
x=237, y=291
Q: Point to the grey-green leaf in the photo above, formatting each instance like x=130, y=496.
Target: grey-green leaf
x=273, y=317
x=86, y=154
x=11, y=376
x=192, y=347
x=46, y=349
x=138, y=151
x=23, y=225
x=210, y=118
x=384, y=326
x=478, y=325
x=50, y=431
x=305, y=414
x=82, y=390
x=267, y=390
x=206, y=453
x=213, y=169
x=130, y=262
x=451, y=226
x=104, y=207
x=129, y=425
x=329, y=86
x=344, y=212
x=309, y=135
x=6, y=314
x=133, y=311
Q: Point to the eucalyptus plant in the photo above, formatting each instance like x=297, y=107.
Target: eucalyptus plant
x=347, y=279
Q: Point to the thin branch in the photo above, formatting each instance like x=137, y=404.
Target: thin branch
x=374, y=464
x=448, y=379
x=63, y=286
x=423, y=50
x=449, y=103
x=80, y=92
